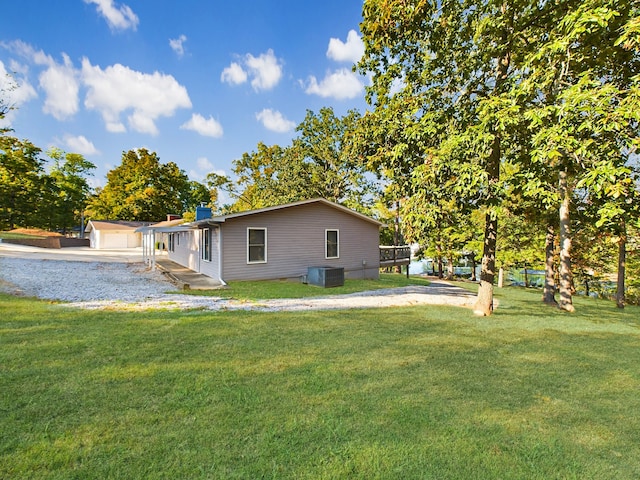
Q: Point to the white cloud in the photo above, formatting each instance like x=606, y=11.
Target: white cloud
x=117, y=17
x=204, y=164
x=234, y=74
x=204, y=168
x=59, y=81
x=341, y=84
x=206, y=127
x=351, y=51
x=61, y=86
x=80, y=145
x=117, y=89
x=265, y=71
x=17, y=68
x=15, y=90
x=275, y=121
x=27, y=51
x=177, y=44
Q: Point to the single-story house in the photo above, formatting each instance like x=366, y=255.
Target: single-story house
x=279, y=242
x=114, y=234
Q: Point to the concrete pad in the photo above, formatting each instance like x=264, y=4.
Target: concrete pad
x=185, y=278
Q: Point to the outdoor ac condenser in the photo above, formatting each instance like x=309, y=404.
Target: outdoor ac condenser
x=325, y=276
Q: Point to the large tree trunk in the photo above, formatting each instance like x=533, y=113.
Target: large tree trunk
x=450, y=268
x=473, y=266
x=549, y=290
x=484, y=301
x=396, y=233
x=566, y=280
x=439, y=254
x=622, y=261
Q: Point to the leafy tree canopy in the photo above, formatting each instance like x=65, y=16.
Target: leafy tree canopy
x=141, y=188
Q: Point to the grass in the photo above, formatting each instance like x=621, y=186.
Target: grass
x=27, y=233
x=11, y=236
x=422, y=392
x=266, y=290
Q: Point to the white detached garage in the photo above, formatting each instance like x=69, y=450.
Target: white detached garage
x=114, y=234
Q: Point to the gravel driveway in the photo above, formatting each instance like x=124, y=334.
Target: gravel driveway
x=126, y=284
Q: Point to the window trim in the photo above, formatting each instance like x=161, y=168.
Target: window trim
x=326, y=243
x=205, y=245
x=254, y=262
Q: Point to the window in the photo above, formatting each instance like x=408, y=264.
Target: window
x=332, y=244
x=206, y=244
x=172, y=242
x=256, y=245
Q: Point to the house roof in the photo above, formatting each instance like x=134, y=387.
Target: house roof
x=166, y=225
x=179, y=225
x=223, y=218
x=114, y=225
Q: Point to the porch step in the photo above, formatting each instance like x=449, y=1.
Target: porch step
x=185, y=278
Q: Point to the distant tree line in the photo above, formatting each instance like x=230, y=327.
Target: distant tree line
x=30, y=196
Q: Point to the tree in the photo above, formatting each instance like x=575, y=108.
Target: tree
x=21, y=185
x=331, y=171
x=488, y=86
x=142, y=189
x=72, y=189
x=577, y=87
x=20, y=177
x=318, y=164
x=451, y=63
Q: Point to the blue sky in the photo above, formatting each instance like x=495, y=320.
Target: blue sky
x=200, y=82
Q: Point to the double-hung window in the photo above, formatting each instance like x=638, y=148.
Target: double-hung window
x=206, y=244
x=332, y=244
x=256, y=245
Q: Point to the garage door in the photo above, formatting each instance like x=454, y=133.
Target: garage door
x=114, y=240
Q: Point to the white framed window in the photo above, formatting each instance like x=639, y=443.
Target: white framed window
x=172, y=241
x=332, y=243
x=206, y=244
x=256, y=245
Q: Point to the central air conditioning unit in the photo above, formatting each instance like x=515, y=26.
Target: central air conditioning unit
x=325, y=276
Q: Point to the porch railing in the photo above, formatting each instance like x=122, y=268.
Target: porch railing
x=395, y=255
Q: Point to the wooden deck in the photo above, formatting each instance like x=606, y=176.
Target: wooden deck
x=393, y=256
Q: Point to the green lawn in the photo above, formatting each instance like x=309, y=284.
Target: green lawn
x=265, y=290
x=11, y=236
x=421, y=392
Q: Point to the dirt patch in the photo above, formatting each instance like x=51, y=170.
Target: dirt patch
x=35, y=232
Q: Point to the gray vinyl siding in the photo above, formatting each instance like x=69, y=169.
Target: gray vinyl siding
x=296, y=241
